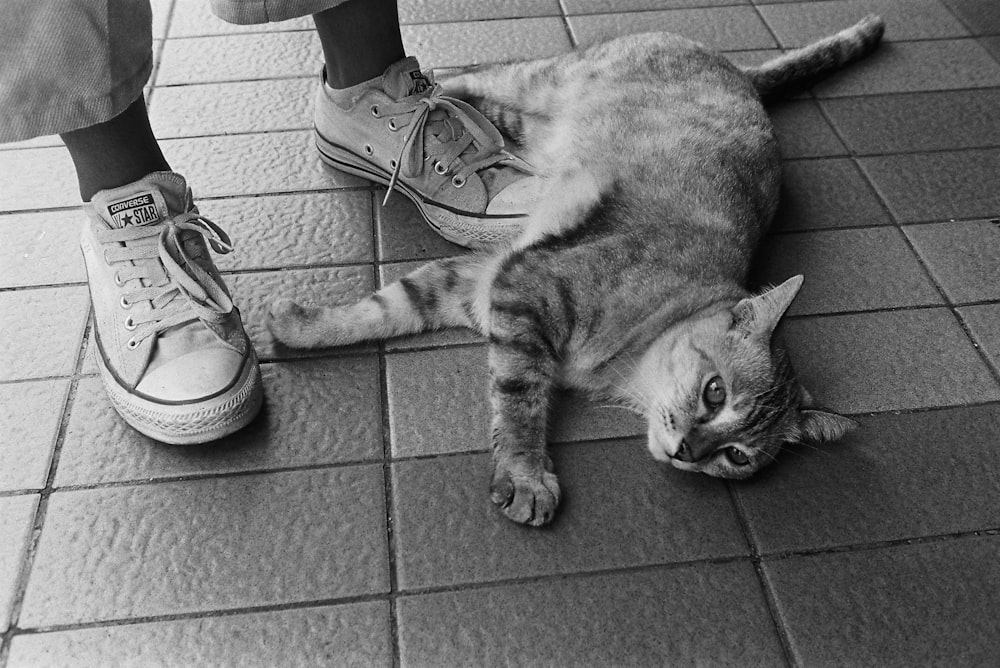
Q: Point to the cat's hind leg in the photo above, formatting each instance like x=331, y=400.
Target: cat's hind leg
x=440, y=294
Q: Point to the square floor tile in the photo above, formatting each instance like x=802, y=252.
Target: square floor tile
x=818, y=194
x=215, y=544
x=438, y=401
x=41, y=248
x=390, y=273
x=283, y=231
x=619, y=509
x=905, y=67
x=231, y=108
x=963, y=257
x=802, y=131
x=623, y=6
x=38, y=178
x=29, y=423
x=239, y=57
x=254, y=293
x=925, y=187
x=353, y=634
x=316, y=412
x=888, y=361
x=980, y=16
x=911, y=605
x=654, y=617
x=41, y=331
x=17, y=514
x=254, y=164
x=445, y=11
x=983, y=322
x=403, y=234
x=846, y=270
x=193, y=18
x=804, y=23
x=728, y=28
x=894, y=477
x=914, y=122
x=454, y=44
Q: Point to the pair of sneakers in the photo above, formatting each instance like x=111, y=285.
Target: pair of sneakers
x=170, y=344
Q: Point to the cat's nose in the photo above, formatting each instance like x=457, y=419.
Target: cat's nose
x=684, y=452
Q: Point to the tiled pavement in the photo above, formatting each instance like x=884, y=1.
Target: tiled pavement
x=350, y=524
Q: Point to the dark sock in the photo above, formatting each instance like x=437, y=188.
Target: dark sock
x=116, y=152
x=360, y=40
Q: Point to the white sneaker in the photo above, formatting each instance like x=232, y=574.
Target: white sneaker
x=400, y=130
x=171, y=348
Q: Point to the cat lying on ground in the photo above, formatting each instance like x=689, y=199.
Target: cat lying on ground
x=661, y=175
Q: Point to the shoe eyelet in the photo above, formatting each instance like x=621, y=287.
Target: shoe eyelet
x=118, y=280
x=132, y=344
x=369, y=150
x=440, y=169
x=392, y=164
x=392, y=125
x=124, y=303
x=129, y=325
x=375, y=111
x=457, y=181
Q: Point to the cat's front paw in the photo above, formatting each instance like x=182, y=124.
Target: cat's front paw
x=525, y=491
x=291, y=323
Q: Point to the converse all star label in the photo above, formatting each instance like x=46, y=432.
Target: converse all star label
x=138, y=209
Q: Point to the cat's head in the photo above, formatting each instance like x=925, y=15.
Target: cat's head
x=720, y=398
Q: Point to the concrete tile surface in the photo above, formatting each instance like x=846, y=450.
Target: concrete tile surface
x=350, y=634
x=29, y=425
x=149, y=550
x=964, y=258
x=819, y=194
x=350, y=524
x=888, y=360
x=849, y=270
x=660, y=616
x=924, y=187
x=929, y=601
x=448, y=534
x=16, y=519
x=914, y=122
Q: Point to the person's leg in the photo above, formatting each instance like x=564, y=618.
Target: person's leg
x=360, y=40
x=116, y=152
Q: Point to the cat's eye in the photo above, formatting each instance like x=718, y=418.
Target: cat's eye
x=737, y=456
x=714, y=393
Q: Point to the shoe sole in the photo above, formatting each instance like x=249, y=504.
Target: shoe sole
x=190, y=423
x=476, y=231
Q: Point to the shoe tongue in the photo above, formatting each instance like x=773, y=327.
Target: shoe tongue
x=404, y=78
x=145, y=202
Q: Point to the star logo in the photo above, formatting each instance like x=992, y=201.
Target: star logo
x=127, y=219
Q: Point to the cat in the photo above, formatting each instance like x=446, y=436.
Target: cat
x=661, y=175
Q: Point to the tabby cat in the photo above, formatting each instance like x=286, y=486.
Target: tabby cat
x=661, y=174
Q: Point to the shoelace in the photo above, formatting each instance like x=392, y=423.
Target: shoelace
x=473, y=128
x=177, y=288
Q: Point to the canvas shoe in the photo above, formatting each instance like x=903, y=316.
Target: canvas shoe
x=171, y=348
x=401, y=131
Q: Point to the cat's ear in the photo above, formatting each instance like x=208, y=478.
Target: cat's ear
x=819, y=426
x=759, y=315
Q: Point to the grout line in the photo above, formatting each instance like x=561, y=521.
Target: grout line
x=770, y=596
x=41, y=511
x=621, y=440
x=564, y=15
x=503, y=582
x=947, y=302
x=387, y=460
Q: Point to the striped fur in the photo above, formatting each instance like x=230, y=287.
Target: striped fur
x=661, y=173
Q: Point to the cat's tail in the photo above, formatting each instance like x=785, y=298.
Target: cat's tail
x=818, y=59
